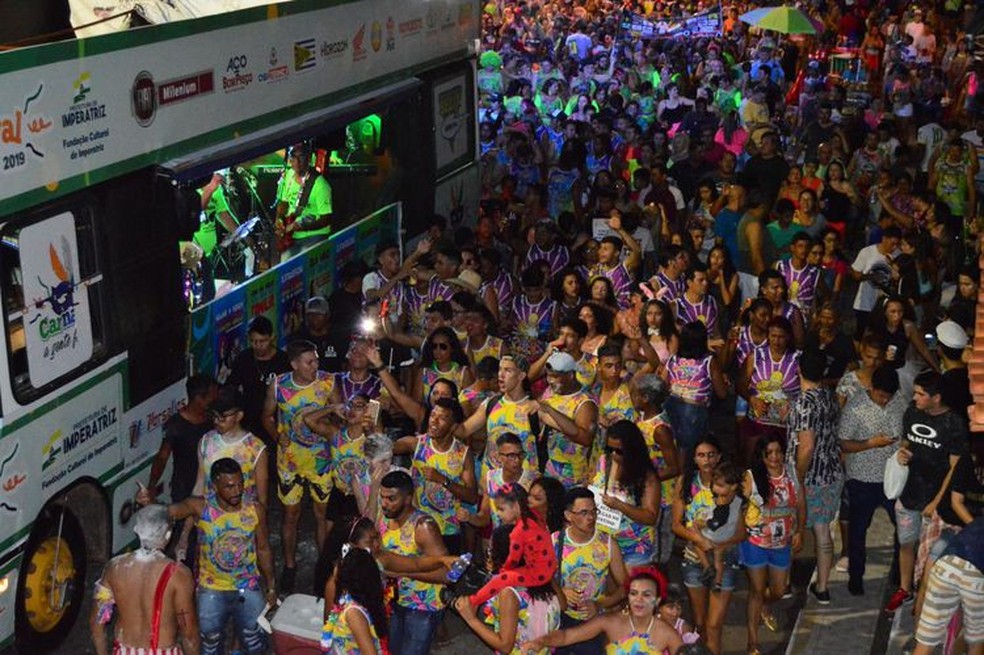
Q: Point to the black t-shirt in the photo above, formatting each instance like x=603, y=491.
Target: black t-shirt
x=932, y=439
x=967, y=481
x=839, y=353
x=251, y=377
x=955, y=390
x=766, y=174
x=330, y=357
x=183, y=436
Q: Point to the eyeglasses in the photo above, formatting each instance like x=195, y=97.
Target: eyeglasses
x=584, y=513
x=441, y=345
x=613, y=449
x=221, y=417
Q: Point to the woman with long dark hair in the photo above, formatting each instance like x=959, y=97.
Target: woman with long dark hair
x=723, y=287
x=894, y=322
x=441, y=357
x=358, y=612
x=600, y=321
x=546, y=498
x=416, y=410
x=568, y=291
x=657, y=324
x=631, y=486
x=775, y=520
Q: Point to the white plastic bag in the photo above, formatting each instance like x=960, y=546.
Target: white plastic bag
x=895, y=477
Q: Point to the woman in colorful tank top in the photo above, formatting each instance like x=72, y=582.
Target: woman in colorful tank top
x=630, y=486
x=657, y=323
x=769, y=381
x=635, y=632
x=516, y=616
x=693, y=375
x=693, y=501
x=775, y=519
x=753, y=335
x=442, y=357
x=358, y=613
x=648, y=395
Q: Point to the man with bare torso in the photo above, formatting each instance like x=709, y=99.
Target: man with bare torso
x=151, y=597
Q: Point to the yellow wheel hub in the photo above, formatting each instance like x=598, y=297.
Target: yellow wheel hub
x=47, y=586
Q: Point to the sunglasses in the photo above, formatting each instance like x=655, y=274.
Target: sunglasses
x=613, y=449
x=440, y=345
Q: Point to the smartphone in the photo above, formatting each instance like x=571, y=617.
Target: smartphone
x=373, y=411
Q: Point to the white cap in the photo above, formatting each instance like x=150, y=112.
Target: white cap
x=561, y=362
x=951, y=335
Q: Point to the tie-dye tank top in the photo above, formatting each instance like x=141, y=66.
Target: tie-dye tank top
x=618, y=407
x=337, y=637
x=246, y=450
x=802, y=284
x=558, y=257
x=636, y=540
x=371, y=387
x=620, y=278
x=431, y=375
x=504, y=416
x=410, y=593
x=292, y=398
x=648, y=428
x=584, y=567
x=349, y=465
x=493, y=347
x=637, y=643
x=567, y=461
x=227, y=548
x=430, y=497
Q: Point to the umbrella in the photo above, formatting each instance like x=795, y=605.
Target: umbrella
x=785, y=20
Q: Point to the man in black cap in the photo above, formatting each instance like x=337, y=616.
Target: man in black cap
x=317, y=330
x=303, y=204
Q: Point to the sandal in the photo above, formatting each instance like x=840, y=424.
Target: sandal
x=770, y=621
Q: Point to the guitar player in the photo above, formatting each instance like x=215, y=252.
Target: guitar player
x=303, y=204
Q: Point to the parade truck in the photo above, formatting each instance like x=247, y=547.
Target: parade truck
x=111, y=298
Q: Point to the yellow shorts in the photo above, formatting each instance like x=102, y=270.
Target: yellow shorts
x=300, y=467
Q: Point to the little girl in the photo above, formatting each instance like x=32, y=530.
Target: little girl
x=720, y=525
x=532, y=559
x=671, y=609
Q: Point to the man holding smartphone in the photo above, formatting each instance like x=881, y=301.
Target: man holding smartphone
x=870, y=426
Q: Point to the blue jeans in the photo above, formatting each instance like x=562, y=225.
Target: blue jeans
x=689, y=422
x=215, y=608
x=411, y=631
x=863, y=499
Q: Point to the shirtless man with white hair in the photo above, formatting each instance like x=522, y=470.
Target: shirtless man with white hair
x=151, y=597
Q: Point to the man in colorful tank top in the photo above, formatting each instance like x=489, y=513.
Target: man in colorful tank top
x=544, y=248
x=417, y=607
x=508, y=411
x=695, y=304
x=669, y=282
x=610, y=264
x=802, y=279
x=442, y=470
x=588, y=558
x=571, y=418
x=303, y=456
x=234, y=557
x=510, y=450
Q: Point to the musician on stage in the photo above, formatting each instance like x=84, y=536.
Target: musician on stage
x=215, y=205
x=303, y=204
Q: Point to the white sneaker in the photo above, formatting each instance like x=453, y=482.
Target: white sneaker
x=841, y=566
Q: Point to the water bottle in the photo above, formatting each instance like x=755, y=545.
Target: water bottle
x=459, y=566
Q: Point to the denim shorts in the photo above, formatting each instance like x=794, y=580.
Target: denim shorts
x=908, y=523
x=756, y=557
x=692, y=572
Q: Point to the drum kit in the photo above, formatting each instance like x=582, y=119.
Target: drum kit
x=240, y=254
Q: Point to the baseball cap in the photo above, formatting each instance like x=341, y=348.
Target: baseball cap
x=317, y=305
x=561, y=362
x=951, y=335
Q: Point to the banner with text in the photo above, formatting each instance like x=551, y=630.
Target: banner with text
x=704, y=24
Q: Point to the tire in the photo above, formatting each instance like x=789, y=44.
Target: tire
x=40, y=628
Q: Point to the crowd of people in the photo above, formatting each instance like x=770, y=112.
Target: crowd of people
x=719, y=301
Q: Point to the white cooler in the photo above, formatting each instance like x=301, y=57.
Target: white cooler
x=297, y=626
